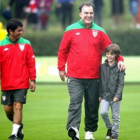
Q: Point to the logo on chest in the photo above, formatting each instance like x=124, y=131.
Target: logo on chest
x=6, y=49
x=95, y=33
x=21, y=46
x=77, y=33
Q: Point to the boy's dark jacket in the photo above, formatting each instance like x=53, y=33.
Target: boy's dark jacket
x=111, y=82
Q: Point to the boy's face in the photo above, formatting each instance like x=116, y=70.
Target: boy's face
x=111, y=57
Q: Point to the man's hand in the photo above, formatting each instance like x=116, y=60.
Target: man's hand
x=62, y=75
x=121, y=66
x=32, y=86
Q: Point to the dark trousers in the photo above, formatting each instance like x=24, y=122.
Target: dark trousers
x=89, y=88
x=66, y=11
x=98, y=15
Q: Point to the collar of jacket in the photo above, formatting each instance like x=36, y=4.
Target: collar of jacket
x=7, y=37
x=92, y=24
x=106, y=62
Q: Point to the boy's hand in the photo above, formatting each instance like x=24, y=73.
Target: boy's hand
x=100, y=99
x=115, y=99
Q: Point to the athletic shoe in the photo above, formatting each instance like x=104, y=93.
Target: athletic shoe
x=108, y=134
x=89, y=136
x=114, y=138
x=20, y=132
x=73, y=133
x=14, y=137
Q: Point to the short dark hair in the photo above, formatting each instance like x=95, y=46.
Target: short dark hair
x=114, y=49
x=13, y=24
x=87, y=4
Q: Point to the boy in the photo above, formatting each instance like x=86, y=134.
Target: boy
x=111, y=86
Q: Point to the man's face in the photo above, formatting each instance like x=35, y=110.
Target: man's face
x=17, y=33
x=86, y=14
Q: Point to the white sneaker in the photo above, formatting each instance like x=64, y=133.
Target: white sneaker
x=108, y=137
x=73, y=132
x=89, y=136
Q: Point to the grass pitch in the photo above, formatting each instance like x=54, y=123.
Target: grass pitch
x=45, y=115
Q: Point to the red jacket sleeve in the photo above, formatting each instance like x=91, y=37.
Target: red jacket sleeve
x=105, y=41
x=0, y=57
x=0, y=63
x=31, y=63
x=120, y=58
x=63, y=51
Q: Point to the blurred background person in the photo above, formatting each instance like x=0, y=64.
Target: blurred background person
x=66, y=12
x=3, y=31
x=7, y=14
x=44, y=9
x=133, y=6
x=138, y=25
x=32, y=17
x=98, y=11
x=117, y=11
x=58, y=11
x=19, y=10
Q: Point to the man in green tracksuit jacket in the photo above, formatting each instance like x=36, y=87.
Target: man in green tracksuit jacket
x=18, y=74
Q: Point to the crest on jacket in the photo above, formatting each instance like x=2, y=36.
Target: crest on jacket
x=94, y=32
x=21, y=46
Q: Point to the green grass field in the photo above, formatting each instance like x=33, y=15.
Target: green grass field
x=45, y=115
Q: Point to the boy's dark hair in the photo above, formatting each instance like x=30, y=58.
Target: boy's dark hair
x=13, y=24
x=114, y=49
x=87, y=4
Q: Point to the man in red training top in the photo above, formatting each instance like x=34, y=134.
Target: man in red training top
x=81, y=48
x=17, y=67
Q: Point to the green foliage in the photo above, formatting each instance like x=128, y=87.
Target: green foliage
x=45, y=115
x=47, y=43
x=127, y=40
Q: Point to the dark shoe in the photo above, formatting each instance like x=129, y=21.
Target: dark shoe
x=114, y=138
x=14, y=137
x=73, y=133
x=20, y=132
x=108, y=134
